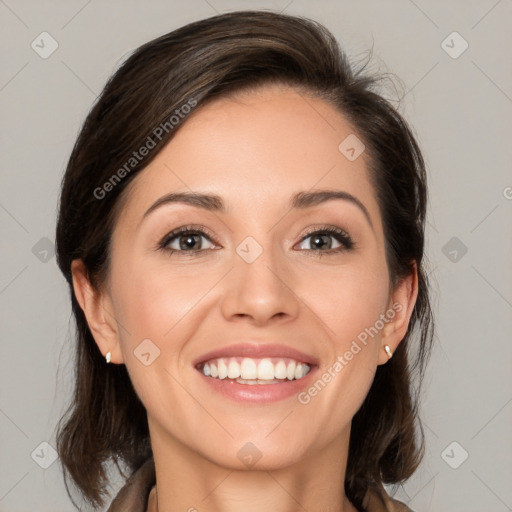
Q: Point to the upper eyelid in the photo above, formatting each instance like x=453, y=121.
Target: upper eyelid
x=333, y=230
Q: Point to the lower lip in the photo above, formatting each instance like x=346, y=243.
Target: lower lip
x=259, y=393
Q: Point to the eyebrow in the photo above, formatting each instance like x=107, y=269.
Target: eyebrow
x=300, y=200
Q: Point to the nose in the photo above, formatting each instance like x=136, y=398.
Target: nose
x=260, y=292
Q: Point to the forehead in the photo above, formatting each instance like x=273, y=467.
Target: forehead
x=256, y=149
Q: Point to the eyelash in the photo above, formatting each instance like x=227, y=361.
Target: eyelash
x=342, y=237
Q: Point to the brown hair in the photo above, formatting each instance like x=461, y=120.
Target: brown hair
x=143, y=105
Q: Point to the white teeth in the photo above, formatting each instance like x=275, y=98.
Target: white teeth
x=248, y=369
x=255, y=371
x=251, y=382
x=233, y=370
x=266, y=370
x=290, y=372
x=223, y=369
x=280, y=370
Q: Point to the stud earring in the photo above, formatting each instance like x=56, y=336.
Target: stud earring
x=107, y=357
x=388, y=351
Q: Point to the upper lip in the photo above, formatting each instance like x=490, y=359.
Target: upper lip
x=259, y=351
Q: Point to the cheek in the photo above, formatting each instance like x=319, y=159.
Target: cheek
x=352, y=301
x=351, y=309
x=163, y=306
x=154, y=309
x=152, y=302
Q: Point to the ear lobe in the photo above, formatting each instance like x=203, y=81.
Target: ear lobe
x=98, y=311
x=402, y=303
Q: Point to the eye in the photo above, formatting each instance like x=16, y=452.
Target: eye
x=328, y=240
x=190, y=239
x=186, y=239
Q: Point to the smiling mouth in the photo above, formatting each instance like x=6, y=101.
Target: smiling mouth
x=251, y=371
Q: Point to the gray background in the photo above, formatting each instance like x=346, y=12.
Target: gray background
x=460, y=109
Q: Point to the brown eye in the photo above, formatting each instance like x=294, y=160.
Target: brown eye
x=187, y=240
x=327, y=240
x=190, y=241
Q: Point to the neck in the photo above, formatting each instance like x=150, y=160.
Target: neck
x=188, y=481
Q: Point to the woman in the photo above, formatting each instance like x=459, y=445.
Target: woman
x=242, y=228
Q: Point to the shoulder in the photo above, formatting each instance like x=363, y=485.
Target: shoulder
x=133, y=496
x=379, y=501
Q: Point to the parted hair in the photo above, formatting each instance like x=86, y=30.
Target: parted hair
x=216, y=57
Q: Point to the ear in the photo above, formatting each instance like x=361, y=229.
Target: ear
x=403, y=299
x=98, y=310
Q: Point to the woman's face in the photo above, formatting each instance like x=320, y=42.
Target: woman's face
x=250, y=282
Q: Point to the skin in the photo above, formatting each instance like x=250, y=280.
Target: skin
x=255, y=151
